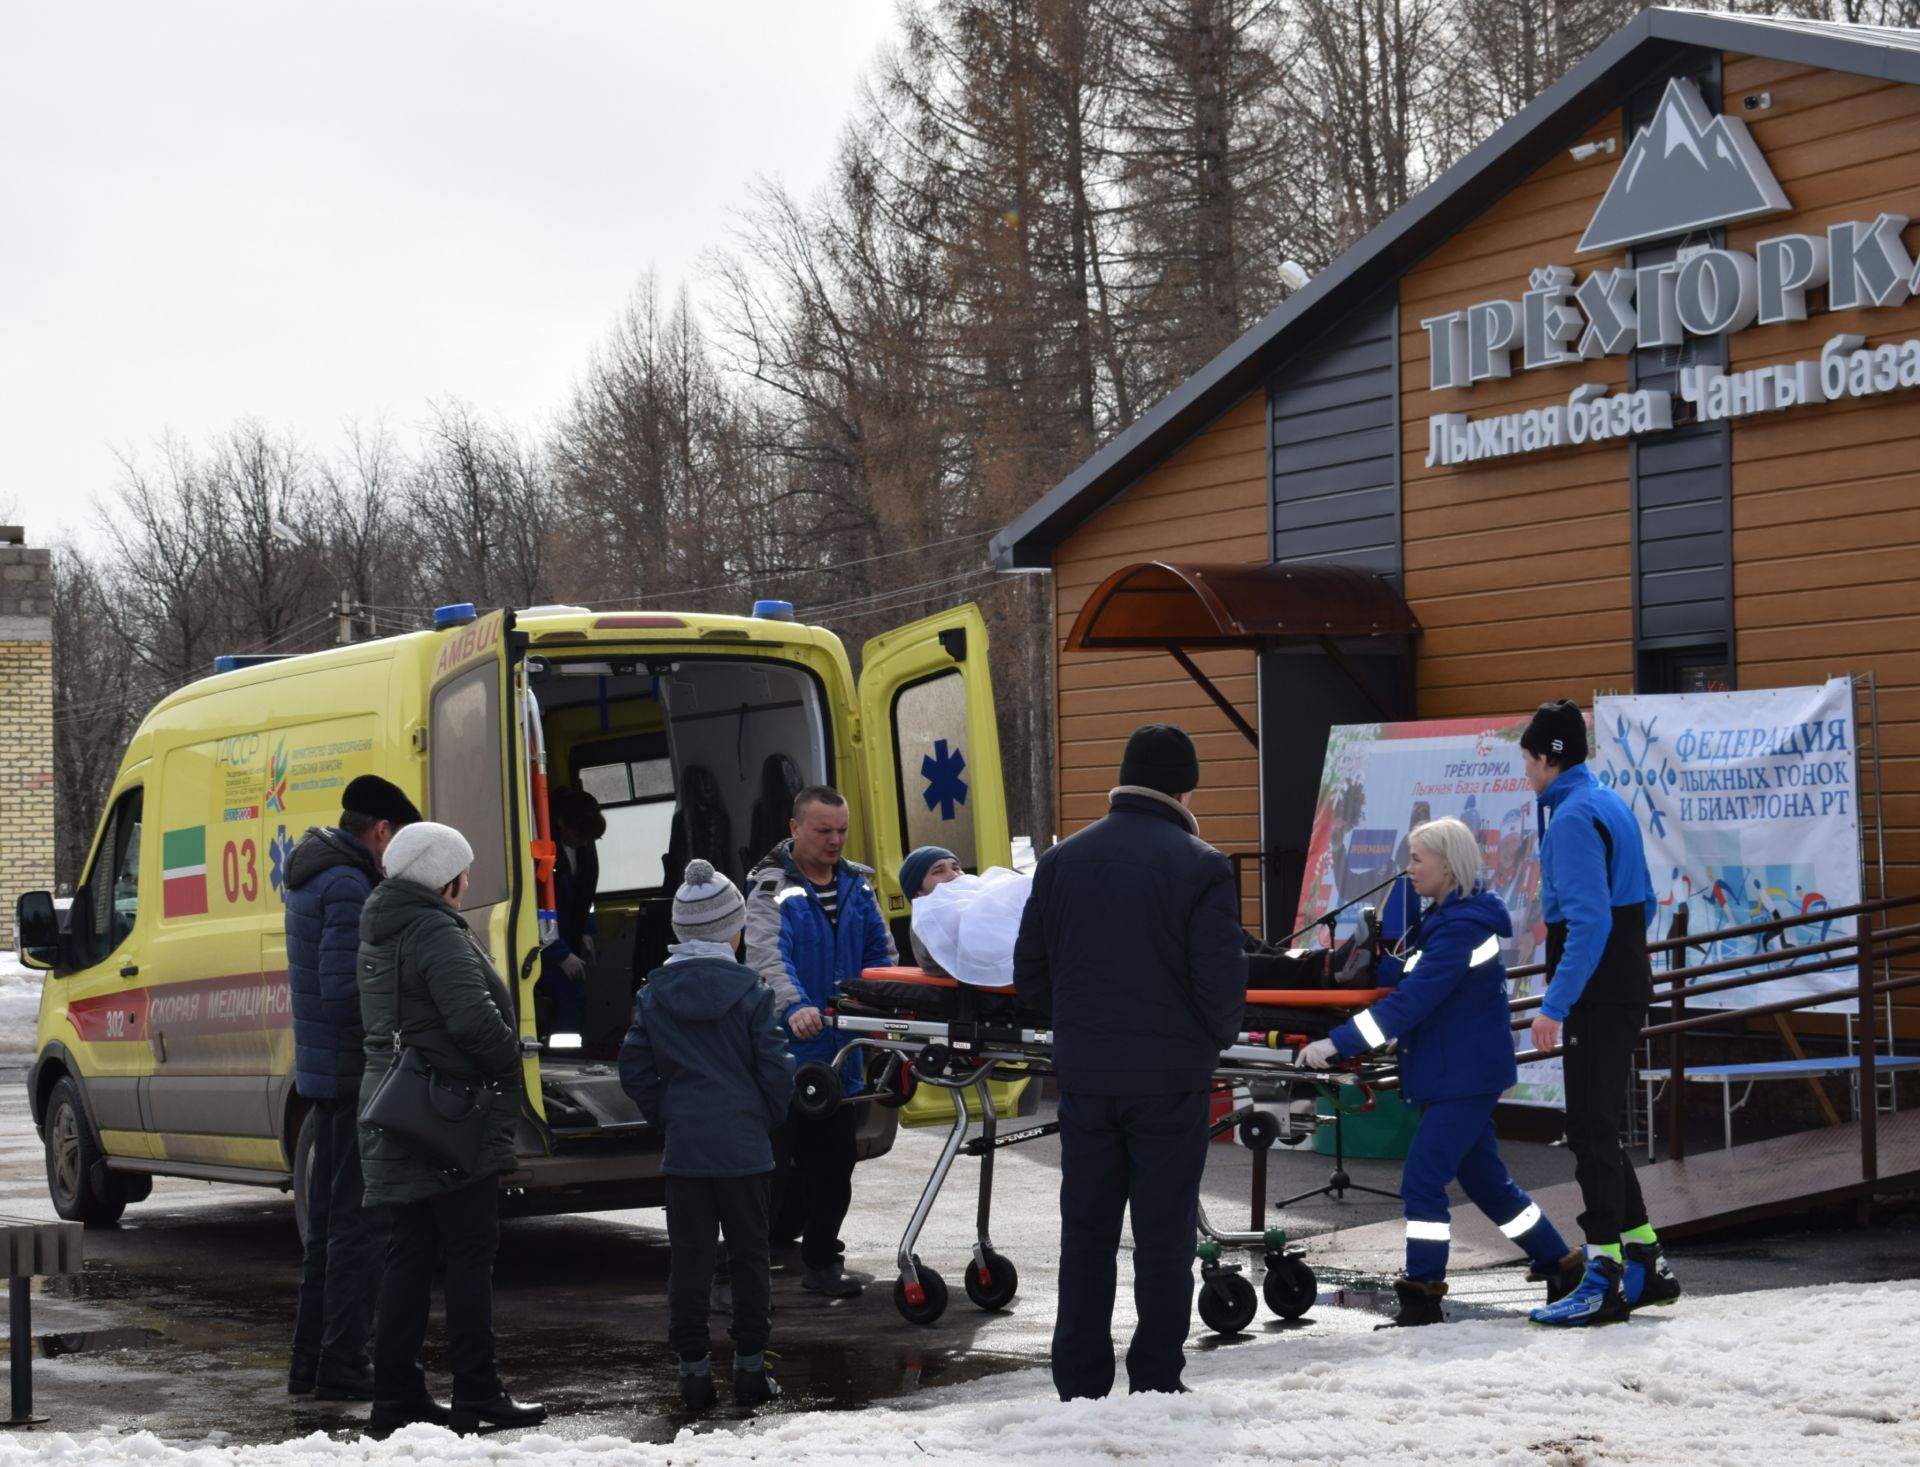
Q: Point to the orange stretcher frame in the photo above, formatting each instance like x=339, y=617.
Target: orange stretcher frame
x=1304, y=998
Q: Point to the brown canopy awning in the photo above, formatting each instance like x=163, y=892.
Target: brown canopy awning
x=1153, y=606
x=1160, y=606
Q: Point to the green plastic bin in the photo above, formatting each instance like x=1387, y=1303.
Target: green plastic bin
x=1383, y=1133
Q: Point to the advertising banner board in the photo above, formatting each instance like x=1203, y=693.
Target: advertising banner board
x=1750, y=809
x=1380, y=780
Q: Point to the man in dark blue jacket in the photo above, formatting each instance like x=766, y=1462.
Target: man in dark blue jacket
x=1132, y=939
x=329, y=875
x=1598, y=901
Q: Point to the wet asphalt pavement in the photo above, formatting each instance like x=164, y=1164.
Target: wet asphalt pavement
x=180, y=1320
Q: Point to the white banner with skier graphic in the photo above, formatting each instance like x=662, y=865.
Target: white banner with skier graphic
x=1750, y=810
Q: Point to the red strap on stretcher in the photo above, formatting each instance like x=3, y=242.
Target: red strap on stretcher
x=1318, y=998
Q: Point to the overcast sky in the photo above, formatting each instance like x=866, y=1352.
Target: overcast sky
x=318, y=213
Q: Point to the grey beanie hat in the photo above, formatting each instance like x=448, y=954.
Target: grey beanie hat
x=707, y=907
x=429, y=855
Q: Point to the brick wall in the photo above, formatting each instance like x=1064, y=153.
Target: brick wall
x=26, y=723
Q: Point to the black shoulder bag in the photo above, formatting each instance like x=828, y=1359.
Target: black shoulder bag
x=439, y=1121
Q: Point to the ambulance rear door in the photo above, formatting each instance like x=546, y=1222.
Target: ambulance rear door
x=932, y=747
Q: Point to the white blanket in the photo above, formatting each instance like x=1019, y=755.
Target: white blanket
x=968, y=925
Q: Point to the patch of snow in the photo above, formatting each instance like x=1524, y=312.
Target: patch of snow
x=1732, y=1379
x=19, y=1008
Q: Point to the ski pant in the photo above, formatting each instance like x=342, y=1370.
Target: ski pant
x=462, y=1228
x=1456, y=1140
x=1120, y=1154
x=815, y=1156
x=1598, y=1067
x=345, y=1252
x=698, y=1209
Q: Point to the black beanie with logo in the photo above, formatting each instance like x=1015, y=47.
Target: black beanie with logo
x=1161, y=757
x=1557, y=733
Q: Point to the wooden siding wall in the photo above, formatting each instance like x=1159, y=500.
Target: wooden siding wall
x=1826, y=498
x=1207, y=502
x=1519, y=568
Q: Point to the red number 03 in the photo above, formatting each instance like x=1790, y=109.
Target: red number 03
x=240, y=871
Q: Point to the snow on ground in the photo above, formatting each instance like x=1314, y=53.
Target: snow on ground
x=1807, y=1376
x=19, y=1008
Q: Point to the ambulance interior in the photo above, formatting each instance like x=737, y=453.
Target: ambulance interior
x=687, y=757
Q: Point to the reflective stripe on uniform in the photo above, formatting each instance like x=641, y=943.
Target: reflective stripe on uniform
x=1429, y=1232
x=1485, y=953
x=1524, y=1223
x=1407, y=966
x=790, y=893
x=1369, y=1028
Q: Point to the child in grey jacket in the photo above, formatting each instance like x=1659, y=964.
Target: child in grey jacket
x=706, y=1062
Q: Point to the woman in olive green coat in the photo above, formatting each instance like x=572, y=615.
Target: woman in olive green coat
x=424, y=976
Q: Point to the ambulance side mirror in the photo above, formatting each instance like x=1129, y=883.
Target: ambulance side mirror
x=36, y=928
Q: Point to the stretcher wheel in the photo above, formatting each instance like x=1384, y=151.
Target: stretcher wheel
x=1227, y=1301
x=1002, y=1283
x=1259, y=1129
x=932, y=1300
x=1289, y=1286
x=933, y=1060
x=816, y=1089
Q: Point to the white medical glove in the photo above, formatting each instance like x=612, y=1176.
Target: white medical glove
x=1319, y=1055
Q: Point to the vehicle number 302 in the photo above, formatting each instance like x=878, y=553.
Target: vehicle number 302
x=240, y=871
x=116, y=1024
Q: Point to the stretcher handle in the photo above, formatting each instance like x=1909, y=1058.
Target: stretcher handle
x=1336, y=1094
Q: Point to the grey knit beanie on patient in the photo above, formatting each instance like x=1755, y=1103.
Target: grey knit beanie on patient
x=707, y=907
x=428, y=854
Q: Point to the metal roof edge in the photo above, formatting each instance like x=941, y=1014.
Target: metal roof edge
x=1486, y=172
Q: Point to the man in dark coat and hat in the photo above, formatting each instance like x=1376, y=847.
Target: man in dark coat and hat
x=329, y=875
x=1132, y=937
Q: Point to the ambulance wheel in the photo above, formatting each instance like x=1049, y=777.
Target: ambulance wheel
x=82, y=1188
x=302, y=1174
x=933, y=1296
x=1227, y=1302
x=816, y=1089
x=1003, y=1282
x=1289, y=1286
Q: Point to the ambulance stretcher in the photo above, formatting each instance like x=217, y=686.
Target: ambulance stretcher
x=936, y=1032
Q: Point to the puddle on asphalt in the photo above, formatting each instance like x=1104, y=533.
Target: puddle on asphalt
x=98, y=1341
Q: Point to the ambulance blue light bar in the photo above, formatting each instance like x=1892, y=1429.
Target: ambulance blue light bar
x=773, y=610
x=235, y=661
x=456, y=615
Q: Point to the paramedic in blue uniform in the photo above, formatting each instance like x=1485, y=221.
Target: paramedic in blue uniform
x=1449, y=1011
x=1132, y=938
x=1598, y=901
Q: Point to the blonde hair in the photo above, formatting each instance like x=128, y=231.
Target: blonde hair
x=1454, y=845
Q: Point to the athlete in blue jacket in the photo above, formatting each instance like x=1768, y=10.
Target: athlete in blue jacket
x=1449, y=1012
x=813, y=920
x=1598, y=901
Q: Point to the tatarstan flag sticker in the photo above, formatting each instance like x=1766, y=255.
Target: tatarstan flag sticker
x=183, y=873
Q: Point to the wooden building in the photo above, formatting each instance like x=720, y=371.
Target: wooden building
x=1488, y=404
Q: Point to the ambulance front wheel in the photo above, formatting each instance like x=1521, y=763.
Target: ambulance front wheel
x=82, y=1188
x=1289, y=1286
x=816, y=1089
x=923, y=1301
x=1227, y=1301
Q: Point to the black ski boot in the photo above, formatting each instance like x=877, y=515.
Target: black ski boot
x=696, y=1387
x=1647, y=1279
x=1561, y=1277
x=1419, y=1303
x=752, y=1386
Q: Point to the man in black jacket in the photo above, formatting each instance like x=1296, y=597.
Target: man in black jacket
x=1132, y=938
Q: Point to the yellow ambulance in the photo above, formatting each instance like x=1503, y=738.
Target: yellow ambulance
x=165, y=1042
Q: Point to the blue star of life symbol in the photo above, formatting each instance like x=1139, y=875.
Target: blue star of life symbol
x=278, y=850
x=941, y=770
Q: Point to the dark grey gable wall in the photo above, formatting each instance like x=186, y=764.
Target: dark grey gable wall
x=1334, y=435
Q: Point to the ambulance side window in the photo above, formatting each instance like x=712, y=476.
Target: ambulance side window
x=110, y=904
x=465, y=783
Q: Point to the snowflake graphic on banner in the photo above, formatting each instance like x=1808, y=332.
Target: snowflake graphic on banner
x=1637, y=776
x=941, y=770
x=278, y=850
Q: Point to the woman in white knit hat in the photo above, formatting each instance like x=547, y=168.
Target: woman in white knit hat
x=706, y=1061
x=424, y=975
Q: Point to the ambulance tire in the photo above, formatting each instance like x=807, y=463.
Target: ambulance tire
x=302, y=1170
x=83, y=1191
x=1290, y=1287
x=1227, y=1302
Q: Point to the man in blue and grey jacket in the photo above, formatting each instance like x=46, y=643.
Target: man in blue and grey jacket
x=1598, y=901
x=329, y=876
x=813, y=920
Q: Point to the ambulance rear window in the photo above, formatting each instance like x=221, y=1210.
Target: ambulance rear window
x=467, y=774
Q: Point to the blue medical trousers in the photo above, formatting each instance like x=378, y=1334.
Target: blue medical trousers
x=1127, y=1153
x=1456, y=1139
